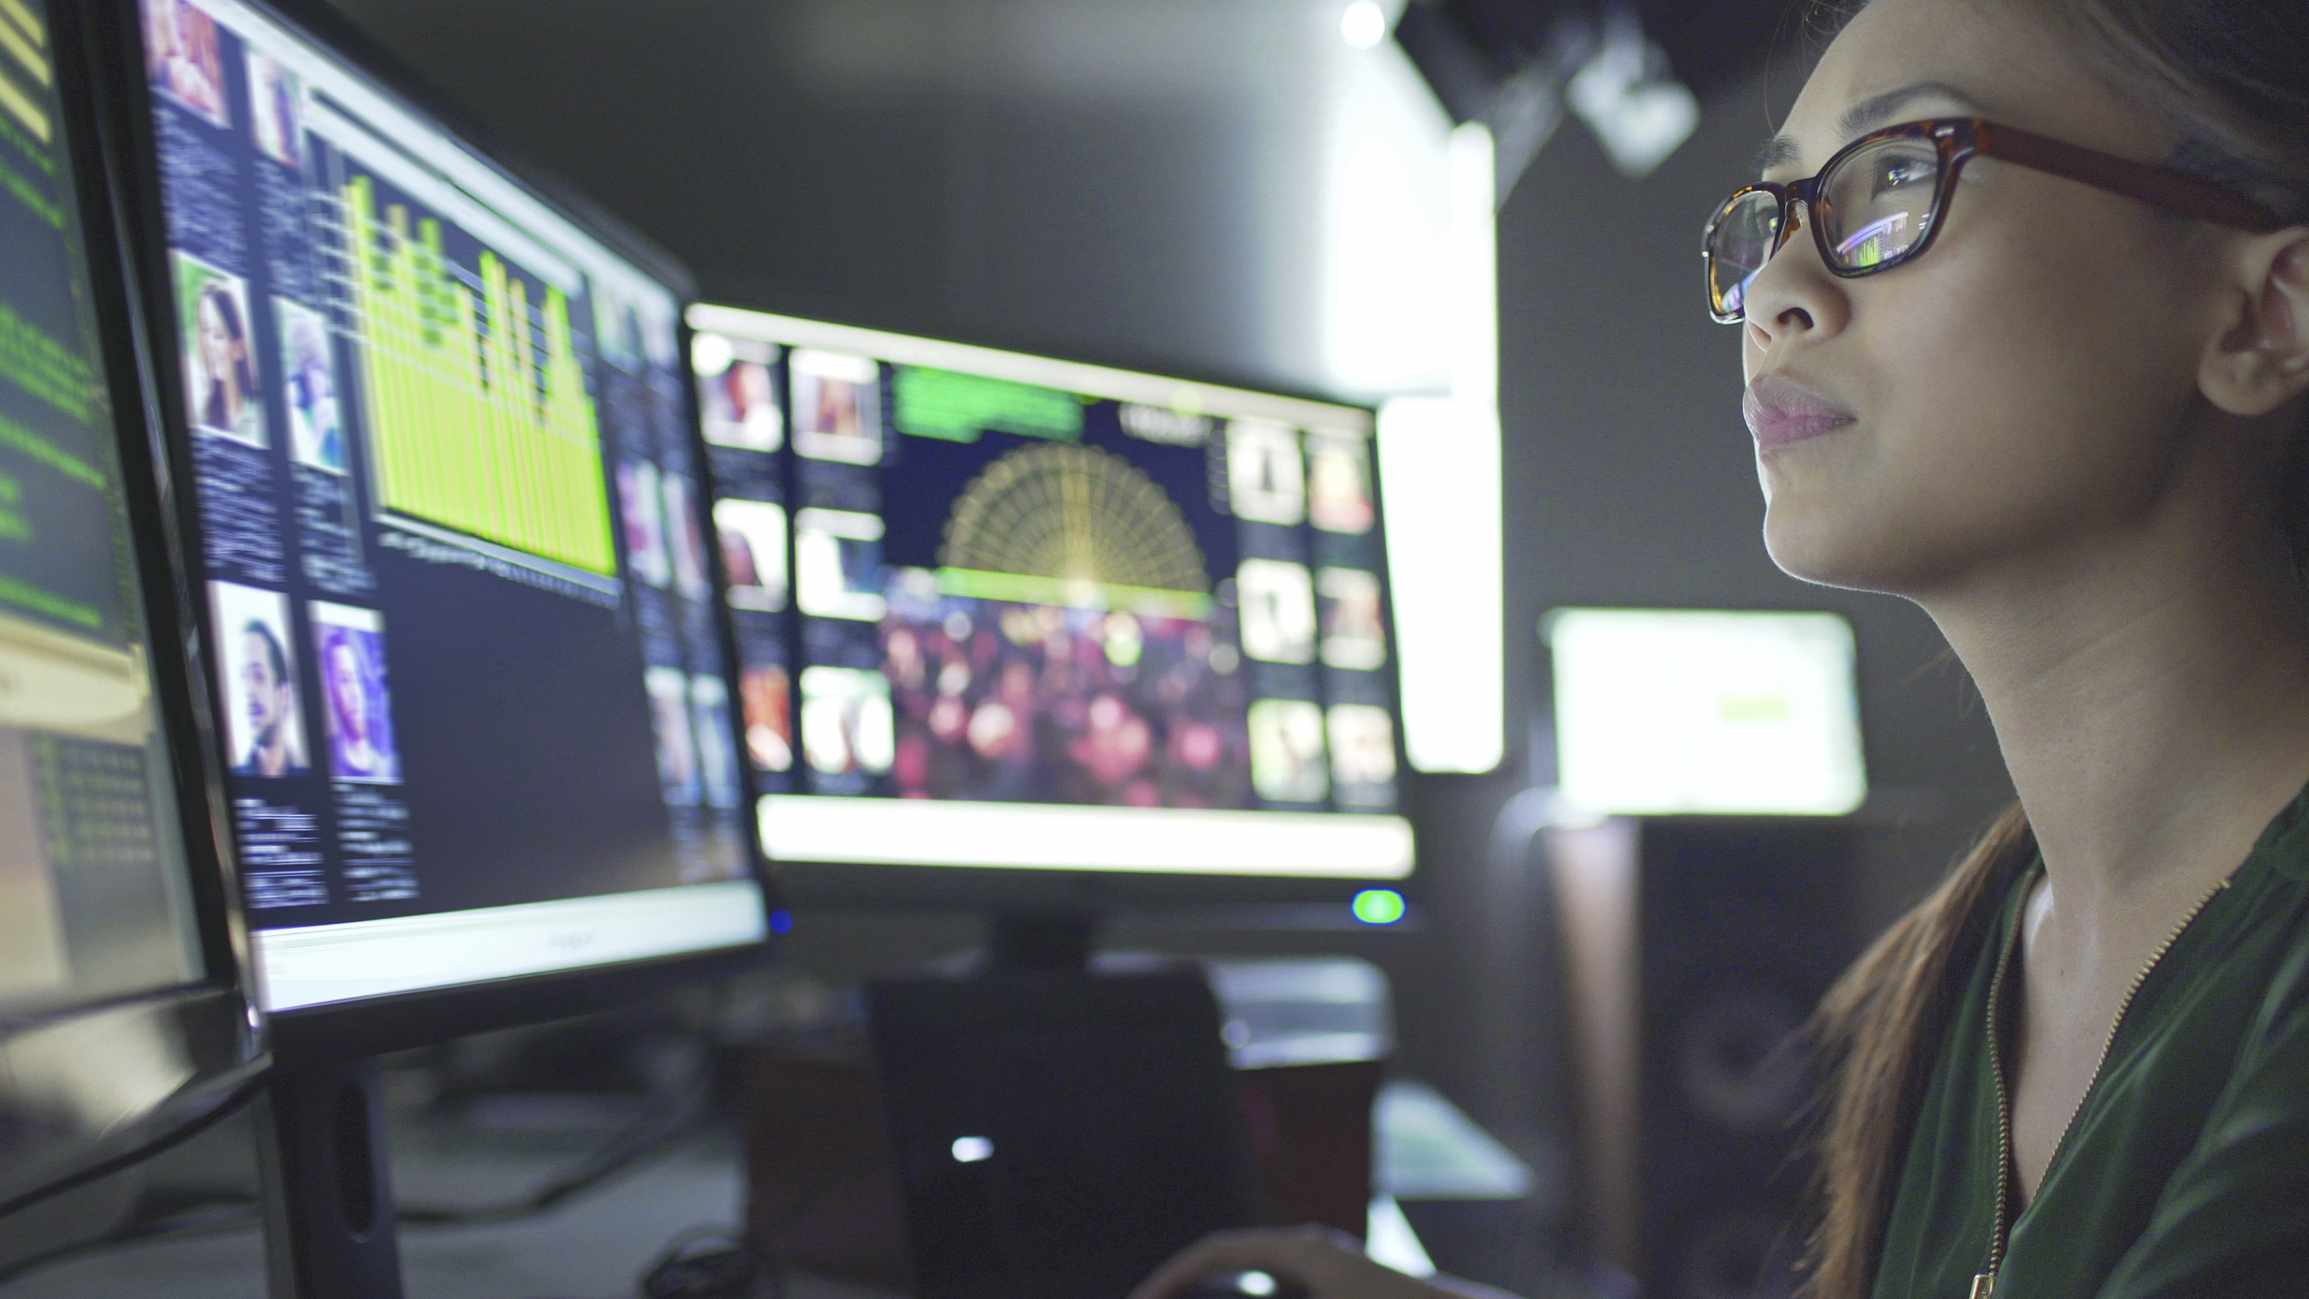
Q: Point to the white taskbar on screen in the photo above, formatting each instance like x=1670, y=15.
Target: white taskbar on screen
x=1041, y=836
x=324, y=964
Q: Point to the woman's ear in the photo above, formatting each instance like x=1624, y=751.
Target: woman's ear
x=2261, y=362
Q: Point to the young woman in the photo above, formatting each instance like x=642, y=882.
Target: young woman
x=227, y=367
x=2025, y=320
x=354, y=749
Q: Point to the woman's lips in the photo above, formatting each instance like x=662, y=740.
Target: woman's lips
x=1779, y=411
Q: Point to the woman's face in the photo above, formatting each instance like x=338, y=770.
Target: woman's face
x=219, y=350
x=313, y=364
x=2025, y=387
x=345, y=690
x=263, y=689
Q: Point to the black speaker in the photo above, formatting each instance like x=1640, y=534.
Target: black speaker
x=1694, y=949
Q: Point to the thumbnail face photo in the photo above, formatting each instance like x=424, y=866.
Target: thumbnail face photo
x=846, y=723
x=685, y=537
x=738, y=393
x=635, y=330
x=837, y=407
x=717, y=756
x=1278, y=611
x=183, y=58
x=220, y=354
x=358, y=699
x=256, y=659
x=309, y=388
x=838, y=564
x=767, y=694
x=276, y=112
x=1266, y=478
x=1339, y=493
x=677, y=754
x=753, y=542
x=1354, y=622
x=1362, y=745
x=643, y=510
x=1287, y=764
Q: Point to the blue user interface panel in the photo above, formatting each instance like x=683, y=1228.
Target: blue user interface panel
x=468, y=653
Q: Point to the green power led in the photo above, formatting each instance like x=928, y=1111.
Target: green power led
x=1378, y=906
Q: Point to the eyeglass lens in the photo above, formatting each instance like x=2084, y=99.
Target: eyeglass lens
x=1874, y=207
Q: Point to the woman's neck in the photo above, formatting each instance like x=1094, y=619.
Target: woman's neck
x=2151, y=699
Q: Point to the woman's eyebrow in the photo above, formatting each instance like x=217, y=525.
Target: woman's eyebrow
x=1859, y=119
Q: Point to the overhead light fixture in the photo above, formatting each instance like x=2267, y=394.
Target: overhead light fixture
x=1519, y=80
x=1629, y=98
x=1512, y=89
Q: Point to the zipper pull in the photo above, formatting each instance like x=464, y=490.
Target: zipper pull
x=1984, y=1285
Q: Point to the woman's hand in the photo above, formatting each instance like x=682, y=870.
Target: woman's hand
x=1327, y=1264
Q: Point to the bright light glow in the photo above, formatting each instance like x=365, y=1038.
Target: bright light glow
x=1390, y=1241
x=1384, y=225
x=1439, y=461
x=1439, y=458
x=1379, y=906
x=972, y=1150
x=1474, y=303
x=1025, y=836
x=1257, y=1283
x=710, y=354
x=1662, y=711
x=1364, y=24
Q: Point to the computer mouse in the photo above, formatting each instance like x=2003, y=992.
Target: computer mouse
x=1245, y=1285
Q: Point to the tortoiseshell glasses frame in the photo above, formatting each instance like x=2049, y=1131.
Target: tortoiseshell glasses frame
x=1955, y=141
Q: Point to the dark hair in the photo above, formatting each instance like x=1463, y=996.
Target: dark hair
x=2231, y=78
x=274, y=654
x=244, y=370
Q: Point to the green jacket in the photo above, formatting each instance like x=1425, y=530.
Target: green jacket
x=2186, y=1173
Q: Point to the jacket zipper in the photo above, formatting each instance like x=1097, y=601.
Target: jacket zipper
x=1984, y=1284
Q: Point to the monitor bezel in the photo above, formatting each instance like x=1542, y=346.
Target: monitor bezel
x=370, y=1026
x=1295, y=901
x=205, y=1025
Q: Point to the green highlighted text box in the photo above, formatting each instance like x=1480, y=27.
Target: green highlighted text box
x=956, y=407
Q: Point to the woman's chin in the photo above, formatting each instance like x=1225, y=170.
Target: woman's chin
x=1814, y=550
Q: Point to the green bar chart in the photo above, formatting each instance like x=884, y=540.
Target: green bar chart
x=478, y=416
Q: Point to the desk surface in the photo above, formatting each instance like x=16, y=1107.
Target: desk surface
x=593, y=1248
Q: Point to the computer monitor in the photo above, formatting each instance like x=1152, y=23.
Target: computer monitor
x=1706, y=711
x=120, y=1014
x=1020, y=630
x=450, y=536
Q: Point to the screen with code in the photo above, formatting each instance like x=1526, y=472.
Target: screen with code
x=1004, y=611
x=92, y=857
x=468, y=654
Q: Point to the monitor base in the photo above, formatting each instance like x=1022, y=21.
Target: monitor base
x=1041, y=942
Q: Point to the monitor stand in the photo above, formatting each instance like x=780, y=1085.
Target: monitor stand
x=330, y=1222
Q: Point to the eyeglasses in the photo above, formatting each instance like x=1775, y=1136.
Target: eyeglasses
x=1883, y=198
